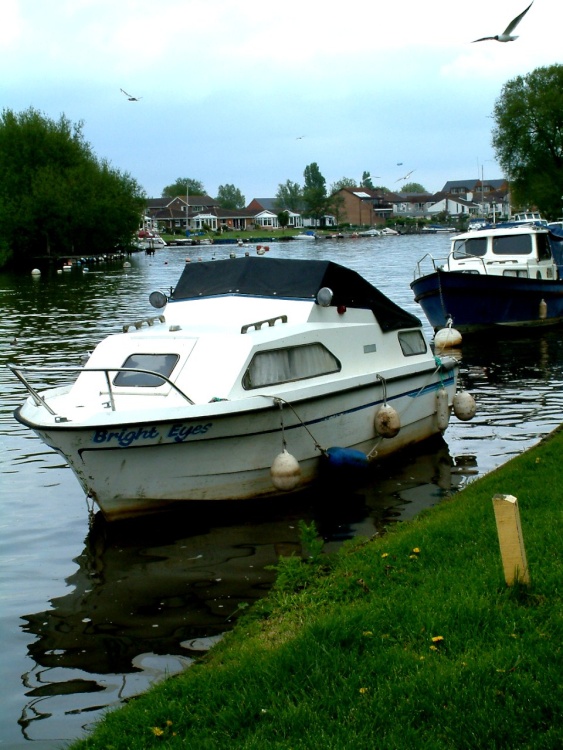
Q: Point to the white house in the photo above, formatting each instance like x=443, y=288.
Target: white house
x=453, y=206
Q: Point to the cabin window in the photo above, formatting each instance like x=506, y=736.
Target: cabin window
x=285, y=365
x=158, y=363
x=516, y=244
x=476, y=246
x=518, y=273
x=412, y=342
x=544, y=250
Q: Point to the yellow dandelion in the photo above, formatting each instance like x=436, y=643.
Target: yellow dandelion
x=168, y=723
x=367, y=633
x=433, y=648
x=413, y=557
x=437, y=639
x=157, y=731
x=416, y=550
x=385, y=554
x=363, y=690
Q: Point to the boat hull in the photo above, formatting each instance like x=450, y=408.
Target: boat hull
x=478, y=302
x=227, y=455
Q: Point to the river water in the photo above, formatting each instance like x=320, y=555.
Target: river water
x=92, y=613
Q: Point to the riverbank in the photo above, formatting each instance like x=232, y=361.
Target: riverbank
x=410, y=639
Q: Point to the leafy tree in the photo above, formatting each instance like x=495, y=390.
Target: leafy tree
x=335, y=205
x=230, y=197
x=367, y=181
x=55, y=196
x=413, y=187
x=343, y=182
x=283, y=219
x=289, y=196
x=528, y=138
x=195, y=187
x=314, y=192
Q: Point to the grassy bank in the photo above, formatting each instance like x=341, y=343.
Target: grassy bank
x=409, y=640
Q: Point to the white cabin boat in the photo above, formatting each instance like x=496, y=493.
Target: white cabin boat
x=257, y=373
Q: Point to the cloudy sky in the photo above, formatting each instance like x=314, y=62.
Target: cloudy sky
x=249, y=93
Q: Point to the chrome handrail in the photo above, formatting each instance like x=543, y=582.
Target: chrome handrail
x=40, y=401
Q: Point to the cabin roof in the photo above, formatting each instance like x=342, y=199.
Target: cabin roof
x=293, y=279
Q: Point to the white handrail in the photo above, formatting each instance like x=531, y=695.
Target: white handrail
x=40, y=401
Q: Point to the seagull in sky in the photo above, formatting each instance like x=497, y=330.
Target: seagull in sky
x=300, y=137
x=130, y=96
x=406, y=177
x=506, y=35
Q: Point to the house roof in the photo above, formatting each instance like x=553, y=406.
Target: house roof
x=471, y=184
x=441, y=196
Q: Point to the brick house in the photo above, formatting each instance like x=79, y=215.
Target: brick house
x=193, y=212
x=361, y=206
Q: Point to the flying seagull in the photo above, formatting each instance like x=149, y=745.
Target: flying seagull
x=130, y=96
x=406, y=177
x=506, y=35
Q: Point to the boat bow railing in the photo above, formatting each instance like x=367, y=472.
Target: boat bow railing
x=40, y=401
x=426, y=261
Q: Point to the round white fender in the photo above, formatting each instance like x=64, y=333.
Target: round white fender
x=446, y=338
x=387, y=422
x=442, y=409
x=464, y=406
x=285, y=471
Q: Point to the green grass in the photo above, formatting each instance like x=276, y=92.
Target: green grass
x=409, y=640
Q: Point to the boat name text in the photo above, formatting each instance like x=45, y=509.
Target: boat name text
x=126, y=437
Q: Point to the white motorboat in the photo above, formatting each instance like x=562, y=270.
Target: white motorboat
x=370, y=233
x=257, y=373
x=148, y=241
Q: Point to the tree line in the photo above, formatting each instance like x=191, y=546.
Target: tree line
x=312, y=198
x=58, y=198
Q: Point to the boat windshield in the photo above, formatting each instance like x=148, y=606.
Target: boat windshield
x=157, y=363
x=476, y=246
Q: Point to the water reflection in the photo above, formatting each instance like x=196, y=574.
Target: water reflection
x=148, y=596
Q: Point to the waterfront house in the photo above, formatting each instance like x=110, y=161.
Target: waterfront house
x=361, y=207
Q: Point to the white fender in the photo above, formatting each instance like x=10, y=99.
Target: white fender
x=464, y=406
x=387, y=422
x=446, y=338
x=442, y=409
x=285, y=471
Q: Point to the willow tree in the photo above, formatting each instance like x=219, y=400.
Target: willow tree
x=56, y=197
x=528, y=138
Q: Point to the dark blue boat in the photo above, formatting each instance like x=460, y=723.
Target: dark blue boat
x=506, y=275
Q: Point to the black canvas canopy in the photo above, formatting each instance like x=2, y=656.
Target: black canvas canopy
x=291, y=279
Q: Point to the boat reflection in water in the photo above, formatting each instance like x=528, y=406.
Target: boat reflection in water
x=147, y=598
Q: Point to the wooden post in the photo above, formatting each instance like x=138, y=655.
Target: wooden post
x=511, y=541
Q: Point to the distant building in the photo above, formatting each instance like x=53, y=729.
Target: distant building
x=361, y=207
